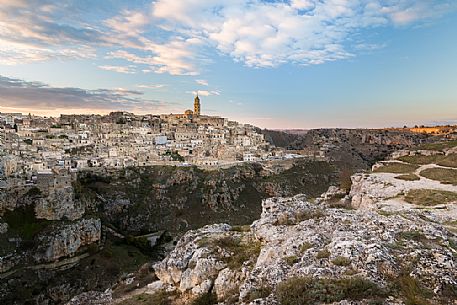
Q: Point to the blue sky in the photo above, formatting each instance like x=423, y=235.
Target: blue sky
x=275, y=64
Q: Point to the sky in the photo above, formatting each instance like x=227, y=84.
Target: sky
x=274, y=64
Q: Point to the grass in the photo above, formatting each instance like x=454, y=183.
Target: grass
x=308, y=290
x=443, y=175
x=420, y=159
x=242, y=249
x=429, y=197
x=158, y=298
x=408, y=177
x=449, y=160
x=341, y=261
x=396, y=168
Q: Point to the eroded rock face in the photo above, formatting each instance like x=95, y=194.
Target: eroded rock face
x=302, y=239
x=59, y=204
x=67, y=240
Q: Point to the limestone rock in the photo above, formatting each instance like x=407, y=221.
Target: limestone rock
x=299, y=238
x=68, y=239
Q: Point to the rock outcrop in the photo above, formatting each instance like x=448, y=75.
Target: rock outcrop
x=295, y=240
x=67, y=240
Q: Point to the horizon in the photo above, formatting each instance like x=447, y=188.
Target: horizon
x=431, y=125
x=296, y=64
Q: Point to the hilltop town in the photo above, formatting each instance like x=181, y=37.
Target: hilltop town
x=33, y=146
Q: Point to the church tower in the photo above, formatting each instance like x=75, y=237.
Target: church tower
x=197, y=105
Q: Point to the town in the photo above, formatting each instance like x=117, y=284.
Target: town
x=34, y=147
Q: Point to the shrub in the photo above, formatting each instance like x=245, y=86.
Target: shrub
x=291, y=260
x=305, y=246
x=323, y=254
x=413, y=235
x=159, y=298
x=300, y=216
x=411, y=290
x=209, y=298
x=308, y=290
x=341, y=261
x=345, y=179
x=243, y=249
x=260, y=292
x=245, y=228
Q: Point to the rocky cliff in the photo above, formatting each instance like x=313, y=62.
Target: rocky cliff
x=64, y=241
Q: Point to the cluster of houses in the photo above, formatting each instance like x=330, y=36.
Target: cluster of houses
x=33, y=146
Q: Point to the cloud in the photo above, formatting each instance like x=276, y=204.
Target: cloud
x=202, y=82
x=130, y=23
x=152, y=86
x=120, y=69
x=204, y=92
x=270, y=33
x=180, y=37
x=20, y=94
x=176, y=57
x=34, y=31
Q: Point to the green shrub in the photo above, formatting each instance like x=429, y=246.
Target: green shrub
x=209, y=298
x=300, y=216
x=305, y=246
x=242, y=249
x=33, y=192
x=413, y=235
x=308, y=290
x=260, y=292
x=411, y=290
x=291, y=260
x=341, y=261
x=245, y=228
x=159, y=298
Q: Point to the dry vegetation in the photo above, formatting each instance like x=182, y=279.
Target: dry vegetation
x=308, y=290
x=396, y=168
x=449, y=160
x=428, y=197
x=443, y=175
x=408, y=177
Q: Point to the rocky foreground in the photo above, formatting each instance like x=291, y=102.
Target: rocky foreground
x=300, y=252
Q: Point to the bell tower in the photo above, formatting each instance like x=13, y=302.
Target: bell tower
x=197, y=105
